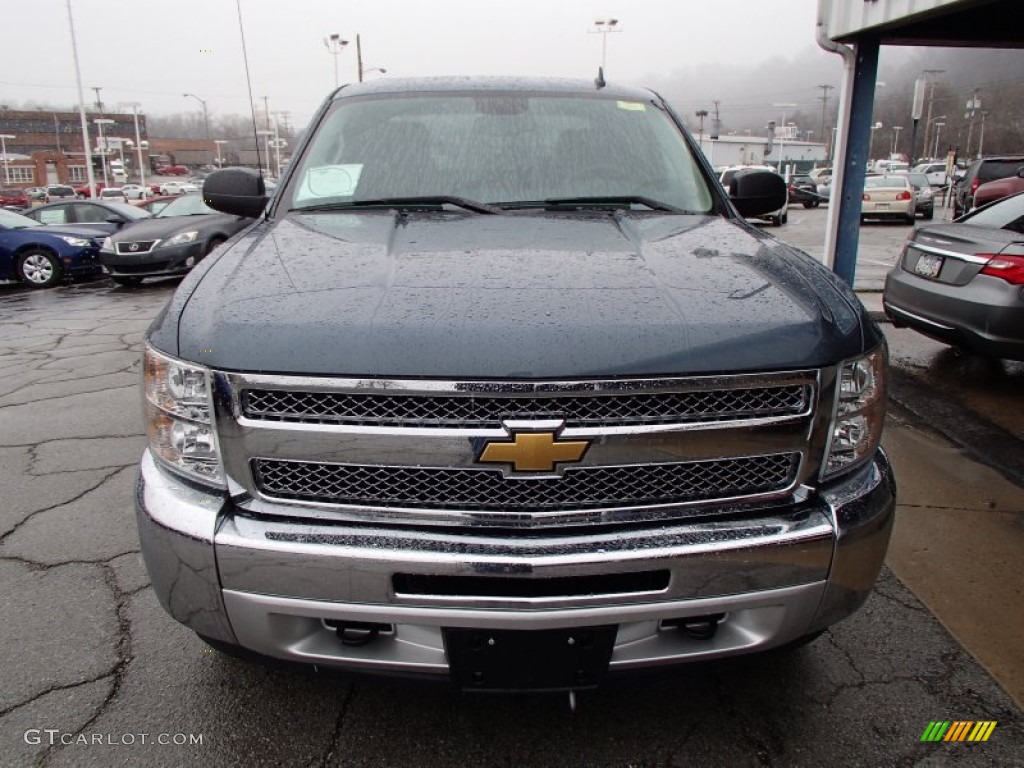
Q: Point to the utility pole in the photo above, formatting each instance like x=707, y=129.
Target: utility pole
x=99, y=103
x=824, y=103
x=266, y=109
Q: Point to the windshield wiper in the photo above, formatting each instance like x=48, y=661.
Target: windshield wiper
x=598, y=201
x=402, y=202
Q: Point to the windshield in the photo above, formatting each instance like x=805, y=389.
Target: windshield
x=497, y=148
x=11, y=220
x=186, y=205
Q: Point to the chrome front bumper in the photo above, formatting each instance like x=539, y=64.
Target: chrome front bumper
x=270, y=585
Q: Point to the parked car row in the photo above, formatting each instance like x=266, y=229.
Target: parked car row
x=165, y=235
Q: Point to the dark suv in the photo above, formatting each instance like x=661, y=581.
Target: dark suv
x=980, y=172
x=502, y=388
x=804, y=190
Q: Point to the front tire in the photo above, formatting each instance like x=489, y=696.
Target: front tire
x=39, y=269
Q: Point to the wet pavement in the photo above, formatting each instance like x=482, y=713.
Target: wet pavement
x=89, y=654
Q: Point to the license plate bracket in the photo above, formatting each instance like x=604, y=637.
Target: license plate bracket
x=928, y=265
x=529, y=660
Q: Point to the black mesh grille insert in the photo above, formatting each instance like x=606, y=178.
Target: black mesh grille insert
x=489, y=411
x=511, y=586
x=473, y=489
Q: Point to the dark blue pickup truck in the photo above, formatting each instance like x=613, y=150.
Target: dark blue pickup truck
x=503, y=389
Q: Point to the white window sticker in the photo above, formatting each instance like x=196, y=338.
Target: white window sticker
x=330, y=181
x=53, y=216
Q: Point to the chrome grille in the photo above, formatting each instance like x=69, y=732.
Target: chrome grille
x=482, y=489
x=135, y=248
x=484, y=411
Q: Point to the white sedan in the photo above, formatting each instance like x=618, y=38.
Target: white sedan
x=135, y=191
x=177, y=188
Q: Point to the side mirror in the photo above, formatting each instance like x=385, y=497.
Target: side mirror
x=238, y=191
x=757, y=192
x=114, y=220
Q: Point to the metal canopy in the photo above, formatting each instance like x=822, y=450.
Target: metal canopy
x=940, y=23
x=855, y=29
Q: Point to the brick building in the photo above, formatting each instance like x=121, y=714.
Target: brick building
x=47, y=145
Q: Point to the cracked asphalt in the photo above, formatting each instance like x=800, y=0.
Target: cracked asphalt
x=88, y=654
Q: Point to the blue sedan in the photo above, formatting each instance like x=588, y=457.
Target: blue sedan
x=41, y=256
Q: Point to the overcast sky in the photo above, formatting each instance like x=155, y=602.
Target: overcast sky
x=153, y=52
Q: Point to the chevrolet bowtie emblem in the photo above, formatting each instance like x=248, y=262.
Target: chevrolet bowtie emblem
x=533, y=451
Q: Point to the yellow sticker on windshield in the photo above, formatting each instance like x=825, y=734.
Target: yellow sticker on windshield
x=634, y=106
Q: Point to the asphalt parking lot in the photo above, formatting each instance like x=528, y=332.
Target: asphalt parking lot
x=97, y=674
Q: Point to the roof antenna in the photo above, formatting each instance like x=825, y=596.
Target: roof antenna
x=248, y=80
x=599, y=80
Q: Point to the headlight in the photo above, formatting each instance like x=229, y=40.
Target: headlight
x=78, y=242
x=860, y=413
x=180, y=239
x=108, y=245
x=178, y=418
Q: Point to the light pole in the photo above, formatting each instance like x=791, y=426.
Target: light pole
x=102, y=144
x=334, y=44
x=896, y=137
x=139, y=143
x=220, y=160
x=375, y=69
x=3, y=151
x=938, y=128
x=206, y=117
x=701, y=114
x=782, y=136
x=871, y=143
x=89, y=175
x=928, y=129
x=603, y=27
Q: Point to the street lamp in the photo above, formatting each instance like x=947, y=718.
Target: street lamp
x=701, y=114
x=139, y=143
x=782, y=136
x=928, y=128
x=206, y=117
x=334, y=44
x=102, y=144
x=938, y=127
x=375, y=69
x=871, y=143
x=220, y=160
x=3, y=151
x=896, y=137
x=603, y=27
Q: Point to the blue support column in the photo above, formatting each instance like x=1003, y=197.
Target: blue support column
x=856, y=159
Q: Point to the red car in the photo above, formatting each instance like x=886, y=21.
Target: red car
x=83, y=191
x=172, y=170
x=1000, y=188
x=13, y=198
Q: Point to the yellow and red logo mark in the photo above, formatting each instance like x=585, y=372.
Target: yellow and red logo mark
x=958, y=730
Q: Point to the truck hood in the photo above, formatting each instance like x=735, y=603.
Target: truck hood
x=538, y=295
